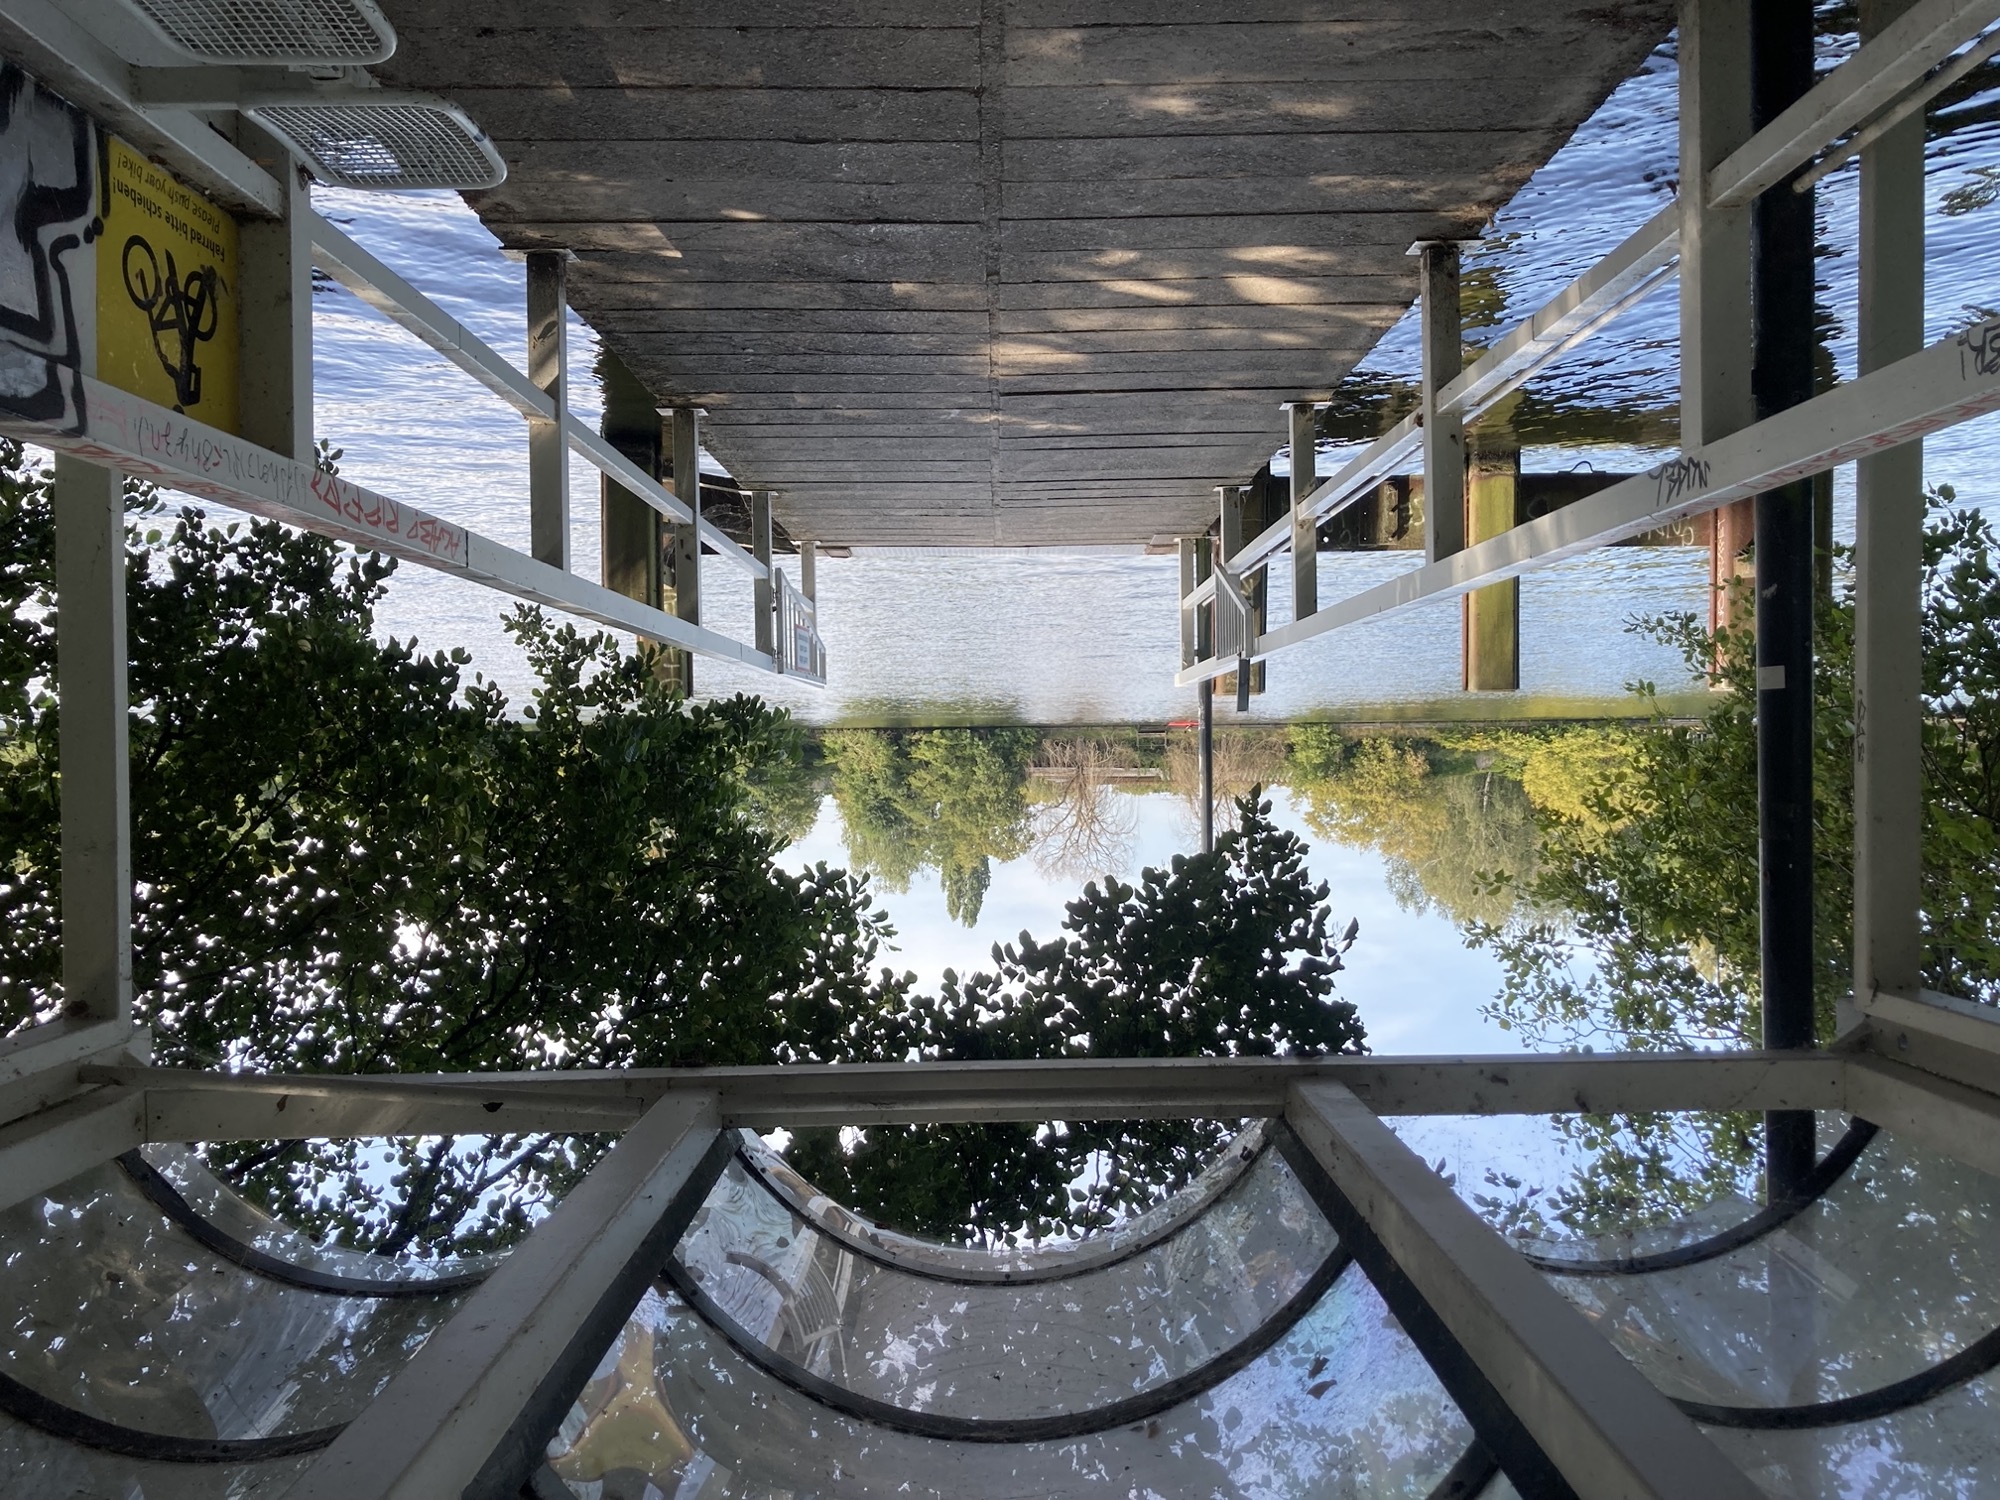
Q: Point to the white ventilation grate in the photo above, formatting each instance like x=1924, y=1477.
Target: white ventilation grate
x=329, y=32
x=387, y=145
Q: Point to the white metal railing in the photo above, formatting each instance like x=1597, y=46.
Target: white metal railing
x=1886, y=78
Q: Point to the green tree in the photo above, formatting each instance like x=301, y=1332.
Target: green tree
x=1453, y=823
x=1645, y=926
x=351, y=858
x=950, y=800
x=347, y=857
x=1220, y=954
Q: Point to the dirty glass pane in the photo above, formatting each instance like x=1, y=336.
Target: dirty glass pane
x=1943, y=1448
x=228, y=1210
x=1342, y=1406
x=1009, y=1261
x=986, y=1350
x=115, y=1313
x=34, y=1463
x=1894, y=1269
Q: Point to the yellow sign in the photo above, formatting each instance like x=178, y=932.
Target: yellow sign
x=167, y=292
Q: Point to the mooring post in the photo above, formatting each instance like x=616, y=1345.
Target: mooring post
x=628, y=528
x=1888, y=568
x=1305, y=529
x=548, y=441
x=1205, y=756
x=763, y=600
x=1492, y=615
x=1715, y=274
x=1781, y=72
x=681, y=567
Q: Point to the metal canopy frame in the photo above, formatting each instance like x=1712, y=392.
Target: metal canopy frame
x=470, y=1413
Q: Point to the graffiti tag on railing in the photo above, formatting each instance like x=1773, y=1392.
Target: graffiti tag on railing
x=1679, y=476
x=1979, y=349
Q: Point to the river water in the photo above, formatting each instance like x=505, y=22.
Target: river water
x=1053, y=637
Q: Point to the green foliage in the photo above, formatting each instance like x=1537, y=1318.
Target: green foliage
x=1450, y=823
x=1221, y=954
x=950, y=800
x=1644, y=930
x=347, y=858
x=350, y=858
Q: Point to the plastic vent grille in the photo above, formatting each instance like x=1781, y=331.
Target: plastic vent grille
x=274, y=31
x=388, y=145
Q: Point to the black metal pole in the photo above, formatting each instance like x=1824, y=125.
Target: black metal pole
x=1205, y=753
x=1781, y=68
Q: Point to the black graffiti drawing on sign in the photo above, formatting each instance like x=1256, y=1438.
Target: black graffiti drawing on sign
x=49, y=177
x=180, y=311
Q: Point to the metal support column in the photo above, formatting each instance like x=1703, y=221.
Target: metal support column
x=548, y=444
x=1888, y=566
x=1305, y=528
x=1444, y=431
x=92, y=755
x=274, y=323
x=763, y=596
x=681, y=570
x=1781, y=72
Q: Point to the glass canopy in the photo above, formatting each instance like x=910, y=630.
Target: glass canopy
x=169, y=1341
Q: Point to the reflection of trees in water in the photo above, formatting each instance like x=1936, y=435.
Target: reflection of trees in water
x=1245, y=759
x=1456, y=827
x=950, y=800
x=1083, y=825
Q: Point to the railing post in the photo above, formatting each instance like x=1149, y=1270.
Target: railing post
x=548, y=442
x=1781, y=377
x=94, y=764
x=1305, y=529
x=1189, y=578
x=1444, y=431
x=763, y=596
x=1563, y=1410
x=1888, y=568
x=274, y=321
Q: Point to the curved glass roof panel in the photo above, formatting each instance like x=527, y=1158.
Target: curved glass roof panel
x=37, y=1463
x=231, y=1225
x=1007, y=1262
x=127, y=1332
x=1892, y=1270
x=1174, y=1316
x=1343, y=1405
x=1941, y=1450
